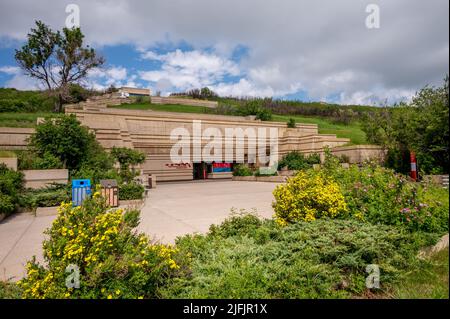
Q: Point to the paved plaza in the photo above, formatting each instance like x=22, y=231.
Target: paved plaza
x=170, y=210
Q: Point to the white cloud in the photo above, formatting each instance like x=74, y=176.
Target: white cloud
x=11, y=70
x=323, y=48
x=100, y=79
x=187, y=70
x=19, y=80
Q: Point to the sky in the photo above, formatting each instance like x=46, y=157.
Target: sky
x=311, y=50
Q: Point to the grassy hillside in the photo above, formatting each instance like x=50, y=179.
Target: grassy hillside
x=22, y=108
x=326, y=126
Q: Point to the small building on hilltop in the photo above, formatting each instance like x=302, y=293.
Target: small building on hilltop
x=129, y=91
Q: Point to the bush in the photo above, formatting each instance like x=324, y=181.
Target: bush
x=113, y=260
x=381, y=196
x=12, y=100
x=308, y=196
x=255, y=107
x=242, y=170
x=66, y=140
x=52, y=195
x=11, y=184
x=127, y=158
x=291, y=123
x=131, y=191
x=248, y=258
x=297, y=161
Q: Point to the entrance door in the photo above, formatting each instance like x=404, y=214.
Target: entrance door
x=200, y=170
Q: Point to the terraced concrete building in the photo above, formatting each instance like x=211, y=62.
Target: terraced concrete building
x=152, y=132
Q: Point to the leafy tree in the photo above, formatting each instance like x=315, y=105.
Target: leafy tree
x=420, y=126
x=127, y=157
x=57, y=59
x=65, y=139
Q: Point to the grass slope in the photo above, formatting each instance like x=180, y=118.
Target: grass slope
x=17, y=119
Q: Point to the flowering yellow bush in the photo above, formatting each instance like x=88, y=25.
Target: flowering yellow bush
x=113, y=261
x=308, y=196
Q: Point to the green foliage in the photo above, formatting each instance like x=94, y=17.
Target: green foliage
x=9, y=290
x=57, y=59
x=127, y=157
x=114, y=261
x=291, y=123
x=49, y=196
x=255, y=107
x=12, y=100
x=242, y=170
x=420, y=126
x=65, y=139
x=11, y=184
x=297, y=161
x=307, y=196
x=128, y=191
x=247, y=258
x=381, y=196
x=428, y=281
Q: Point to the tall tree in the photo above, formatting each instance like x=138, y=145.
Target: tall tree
x=421, y=126
x=57, y=59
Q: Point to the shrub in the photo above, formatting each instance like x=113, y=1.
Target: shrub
x=127, y=157
x=248, y=258
x=291, y=123
x=308, y=196
x=11, y=184
x=379, y=195
x=297, y=161
x=242, y=170
x=52, y=195
x=131, y=191
x=12, y=100
x=255, y=107
x=113, y=260
x=65, y=139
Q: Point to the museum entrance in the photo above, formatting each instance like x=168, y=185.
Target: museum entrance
x=201, y=170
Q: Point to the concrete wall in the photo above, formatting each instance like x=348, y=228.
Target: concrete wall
x=42, y=177
x=360, y=153
x=149, y=132
x=10, y=162
x=183, y=101
x=14, y=138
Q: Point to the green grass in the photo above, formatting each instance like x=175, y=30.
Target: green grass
x=428, y=281
x=165, y=108
x=9, y=290
x=352, y=131
x=7, y=154
x=16, y=119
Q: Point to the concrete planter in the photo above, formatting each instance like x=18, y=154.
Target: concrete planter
x=271, y=179
x=244, y=178
x=10, y=162
x=39, y=178
x=133, y=203
x=287, y=173
x=2, y=217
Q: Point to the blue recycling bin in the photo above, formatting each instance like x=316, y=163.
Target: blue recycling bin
x=81, y=189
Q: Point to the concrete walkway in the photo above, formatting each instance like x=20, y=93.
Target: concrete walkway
x=174, y=209
x=171, y=210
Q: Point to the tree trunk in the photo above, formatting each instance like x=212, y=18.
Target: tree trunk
x=58, y=103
